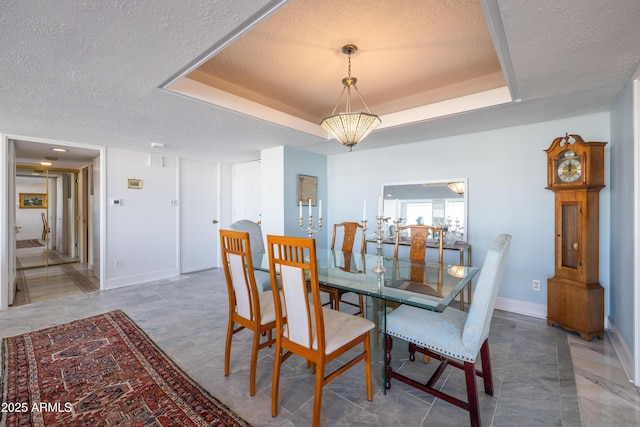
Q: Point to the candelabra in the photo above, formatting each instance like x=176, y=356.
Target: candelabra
x=310, y=228
x=379, y=268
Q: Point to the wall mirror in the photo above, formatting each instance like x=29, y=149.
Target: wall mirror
x=442, y=204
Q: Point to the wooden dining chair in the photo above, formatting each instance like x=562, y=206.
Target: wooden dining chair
x=418, y=235
x=248, y=308
x=454, y=337
x=350, y=230
x=313, y=332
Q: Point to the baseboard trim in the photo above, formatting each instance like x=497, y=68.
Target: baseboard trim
x=522, y=307
x=625, y=356
x=119, y=282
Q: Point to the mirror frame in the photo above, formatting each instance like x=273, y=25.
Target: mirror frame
x=391, y=216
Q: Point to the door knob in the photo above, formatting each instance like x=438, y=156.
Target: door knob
x=215, y=221
x=17, y=228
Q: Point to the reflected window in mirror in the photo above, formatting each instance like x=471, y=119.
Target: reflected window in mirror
x=441, y=204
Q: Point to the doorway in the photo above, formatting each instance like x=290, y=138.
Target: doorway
x=54, y=248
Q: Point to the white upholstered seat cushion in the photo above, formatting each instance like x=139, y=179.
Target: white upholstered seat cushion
x=339, y=329
x=267, y=308
x=440, y=332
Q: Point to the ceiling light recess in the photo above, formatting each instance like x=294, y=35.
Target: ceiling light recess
x=350, y=128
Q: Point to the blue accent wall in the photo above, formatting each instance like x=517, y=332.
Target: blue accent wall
x=304, y=163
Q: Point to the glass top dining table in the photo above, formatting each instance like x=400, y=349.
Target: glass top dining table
x=429, y=285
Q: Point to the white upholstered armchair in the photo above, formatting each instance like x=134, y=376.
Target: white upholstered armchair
x=454, y=337
x=263, y=281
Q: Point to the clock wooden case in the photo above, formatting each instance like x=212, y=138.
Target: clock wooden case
x=575, y=173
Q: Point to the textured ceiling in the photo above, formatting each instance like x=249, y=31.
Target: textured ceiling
x=93, y=72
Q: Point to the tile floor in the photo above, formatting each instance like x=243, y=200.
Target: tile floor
x=543, y=376
x=44, y=284
x=39, y=256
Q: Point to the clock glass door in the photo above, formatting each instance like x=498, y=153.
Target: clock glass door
x=570, y=235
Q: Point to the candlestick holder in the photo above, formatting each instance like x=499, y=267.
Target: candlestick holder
x=310, y=228
x=380, y=280
x=379, y=268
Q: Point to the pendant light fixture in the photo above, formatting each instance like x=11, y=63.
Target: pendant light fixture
x=456, y=187
x=350, y=128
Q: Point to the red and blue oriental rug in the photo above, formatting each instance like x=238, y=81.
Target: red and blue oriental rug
x=100, y=371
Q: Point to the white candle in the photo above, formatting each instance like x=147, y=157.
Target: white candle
x=397, y=209
x=300, y=205
x=320, y=209
x=309, y=208
x=380, y=206
x=364, y=211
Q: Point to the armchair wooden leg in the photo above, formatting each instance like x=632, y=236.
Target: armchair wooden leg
x=472, y=393
x=487, y=374
x=387, y=361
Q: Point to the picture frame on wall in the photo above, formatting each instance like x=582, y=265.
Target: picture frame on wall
x=307, y=189
x=33, y=201
x=136, y=184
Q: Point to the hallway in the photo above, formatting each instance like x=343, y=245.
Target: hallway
x=35, y=285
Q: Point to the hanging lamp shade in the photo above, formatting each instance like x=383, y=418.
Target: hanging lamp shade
x=349, y=128
x=456, y=187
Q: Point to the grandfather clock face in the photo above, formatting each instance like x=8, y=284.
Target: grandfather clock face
x=568, y=167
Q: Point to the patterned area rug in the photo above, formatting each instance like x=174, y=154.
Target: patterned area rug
x=100, y=371
x=30, y=243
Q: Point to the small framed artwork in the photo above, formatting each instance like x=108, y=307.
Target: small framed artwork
x=307, y=189
x=33, y=201
x=134, y=183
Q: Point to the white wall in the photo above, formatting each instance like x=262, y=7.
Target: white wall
x=272, y=191
x=142, y=232
x=506, y=169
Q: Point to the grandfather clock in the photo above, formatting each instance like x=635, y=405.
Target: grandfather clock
x=575, y=173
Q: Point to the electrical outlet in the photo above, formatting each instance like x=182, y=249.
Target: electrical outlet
x=119, y=263
x=536, y=285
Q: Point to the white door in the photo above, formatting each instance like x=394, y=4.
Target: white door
x=198, y=211
x=246, y=191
